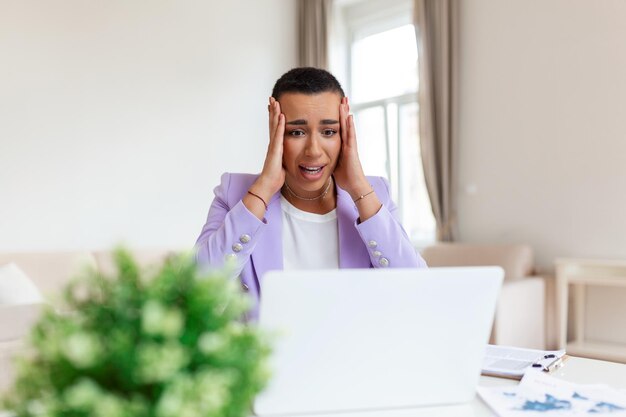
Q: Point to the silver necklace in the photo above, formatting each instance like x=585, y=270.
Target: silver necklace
x=309, y=199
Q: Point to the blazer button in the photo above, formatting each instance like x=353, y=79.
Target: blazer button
x=245, y=238
x=376, y=253
x=237, y=247
x=244, y=286
x=372, y=243
x=384, y=262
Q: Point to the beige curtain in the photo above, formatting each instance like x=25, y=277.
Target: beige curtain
x=436, y=26
x=313, y=28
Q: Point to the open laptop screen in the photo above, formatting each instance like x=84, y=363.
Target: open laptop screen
x=363, y=339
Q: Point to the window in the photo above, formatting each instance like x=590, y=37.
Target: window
x=374, y=52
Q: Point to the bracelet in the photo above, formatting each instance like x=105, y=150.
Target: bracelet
x=362, y=196
x=259, y=197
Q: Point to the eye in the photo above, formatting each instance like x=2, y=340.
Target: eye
x=329, y=132
x=297, y=133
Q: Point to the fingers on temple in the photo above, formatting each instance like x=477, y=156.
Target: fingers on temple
x=274, y=113
x=278, y=116
x=279, y=131
x=342, y=119
x=351, y=130
x=270, y=114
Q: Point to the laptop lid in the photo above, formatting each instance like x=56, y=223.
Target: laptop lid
x=364, y=339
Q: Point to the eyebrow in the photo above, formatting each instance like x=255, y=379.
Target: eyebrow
x=304, y=122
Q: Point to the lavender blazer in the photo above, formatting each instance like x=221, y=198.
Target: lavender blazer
x=233, y=233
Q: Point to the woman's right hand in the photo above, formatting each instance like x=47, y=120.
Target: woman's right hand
x=272, y=176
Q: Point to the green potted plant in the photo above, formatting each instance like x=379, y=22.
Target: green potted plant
x=164, y=346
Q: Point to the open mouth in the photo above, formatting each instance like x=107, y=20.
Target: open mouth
x=311, y=170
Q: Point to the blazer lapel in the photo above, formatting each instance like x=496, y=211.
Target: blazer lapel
x=352, y=252
x=268, y=254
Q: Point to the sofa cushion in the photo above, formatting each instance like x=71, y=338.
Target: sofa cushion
x=8, y=350
x=16, y=322
x=50, y=271
x=16, y=287
x=150, y=259
x=516, y=260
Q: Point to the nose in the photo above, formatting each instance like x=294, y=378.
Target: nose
x=313, y=147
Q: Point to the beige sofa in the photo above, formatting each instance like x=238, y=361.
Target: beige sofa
x=50, y=272
x=519, y=317
x=521, y=312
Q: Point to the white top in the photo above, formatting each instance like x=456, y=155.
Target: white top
x=310, y=241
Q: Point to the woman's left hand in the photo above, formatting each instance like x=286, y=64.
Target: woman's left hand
x=349, y=172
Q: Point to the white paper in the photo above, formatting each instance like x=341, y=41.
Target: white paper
x=539, y=394
x=513, y=361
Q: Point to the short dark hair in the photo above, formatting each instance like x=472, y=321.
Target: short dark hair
x=306, y=80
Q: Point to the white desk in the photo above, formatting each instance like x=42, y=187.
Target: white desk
x=578, y=370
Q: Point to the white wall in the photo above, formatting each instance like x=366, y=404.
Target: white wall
x=542, y=129
x=117, y=117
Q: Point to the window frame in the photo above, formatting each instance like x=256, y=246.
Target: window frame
x=359, y=19
x=364, y=18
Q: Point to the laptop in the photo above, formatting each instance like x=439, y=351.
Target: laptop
x=373, y=339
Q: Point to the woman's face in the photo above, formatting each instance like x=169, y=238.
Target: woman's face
x=312, y=142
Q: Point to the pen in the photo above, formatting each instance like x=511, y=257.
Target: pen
x=554, y=365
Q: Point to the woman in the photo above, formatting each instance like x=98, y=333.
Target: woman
x=311, y=207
